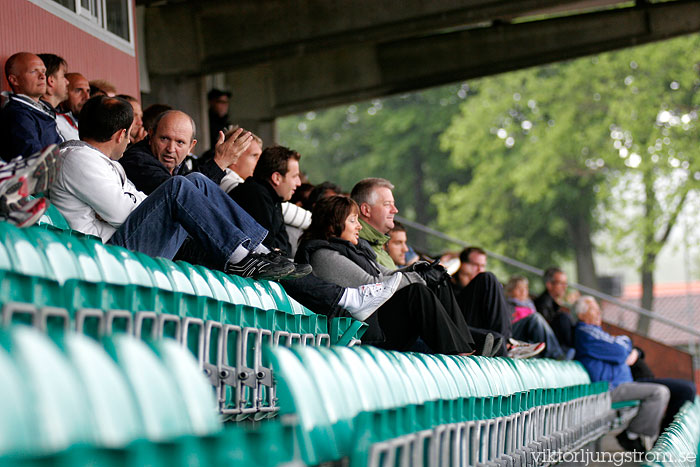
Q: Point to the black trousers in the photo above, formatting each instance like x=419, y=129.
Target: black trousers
x=446, y=295
x=484, y=306
x=414, y=311
x=316, y=294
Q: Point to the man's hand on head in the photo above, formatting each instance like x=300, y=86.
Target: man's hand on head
x=231, y=146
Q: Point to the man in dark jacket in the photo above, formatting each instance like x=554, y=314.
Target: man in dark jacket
x=274, y=180
x=157, y=158
x=27, y=124
x=558, y=317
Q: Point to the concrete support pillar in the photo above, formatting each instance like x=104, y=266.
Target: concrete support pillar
x=252, y=101
x=186, y=93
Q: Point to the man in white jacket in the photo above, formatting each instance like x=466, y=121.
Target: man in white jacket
x=95, y=196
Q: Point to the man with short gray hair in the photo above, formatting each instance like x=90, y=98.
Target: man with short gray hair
x=608, y=358
x=377, y=210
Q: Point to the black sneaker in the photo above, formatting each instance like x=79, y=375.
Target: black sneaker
x=631, y=445
x=300, y=270
x=268, y=266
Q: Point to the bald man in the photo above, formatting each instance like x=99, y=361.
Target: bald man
x=69, y=110
x=27, y=123
x=157, y=158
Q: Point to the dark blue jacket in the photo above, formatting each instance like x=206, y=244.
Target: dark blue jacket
x=603, y=355
x=24, y=129
x=147, y=173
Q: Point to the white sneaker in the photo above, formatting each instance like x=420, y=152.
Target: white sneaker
x=27, y=176
x=28, y=214
x=364, y=300
x=520, y=349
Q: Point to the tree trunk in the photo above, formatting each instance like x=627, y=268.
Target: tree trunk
x=580, y=234
x=648, y=254
x=420, y=202
x=647, y=276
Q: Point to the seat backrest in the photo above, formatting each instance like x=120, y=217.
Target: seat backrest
x=16, y=421
x=57, y=398
x=113, y=410
x=53, y=217
x=63, y=263
x=23, y=255
x=157, y=398
x=110, y=263
x=199, y=402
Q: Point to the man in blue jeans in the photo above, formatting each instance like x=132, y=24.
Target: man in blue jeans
x=95, y=196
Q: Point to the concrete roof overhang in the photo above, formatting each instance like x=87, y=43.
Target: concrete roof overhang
x=317, y=53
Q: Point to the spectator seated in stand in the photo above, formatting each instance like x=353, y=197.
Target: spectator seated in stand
x=397, y=245
x=69, y=109
x=484, y=305
x=138, y=133
x=94, y=195
x=472, y=261
x=275, y=177
x=528, y=325
x=607, y=358
x=159, y=157
x=151, y=113
x=320, y=191
x=332, y=245
x=549, y=305
x=57, y=91
x=27, y=123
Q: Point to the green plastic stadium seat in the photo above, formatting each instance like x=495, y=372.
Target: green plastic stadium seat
x=16, y=424
x=115, y=419
x=58, y=401
x=157, y=398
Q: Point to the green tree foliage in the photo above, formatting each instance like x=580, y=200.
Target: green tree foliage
x=396, y=138
x=561, y=151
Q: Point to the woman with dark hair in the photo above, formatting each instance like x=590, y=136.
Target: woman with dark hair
x=333, y=247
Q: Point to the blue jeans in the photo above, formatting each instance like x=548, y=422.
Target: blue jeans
x=534, y=328
x=191, y=205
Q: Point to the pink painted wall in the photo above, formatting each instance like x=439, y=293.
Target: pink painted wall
x=29, y=28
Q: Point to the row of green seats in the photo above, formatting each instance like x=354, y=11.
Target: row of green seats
x=57, y=279
x=121, y=279
x=678, y=445
x=74, y=400
x=305, y=326
x=379, y=408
